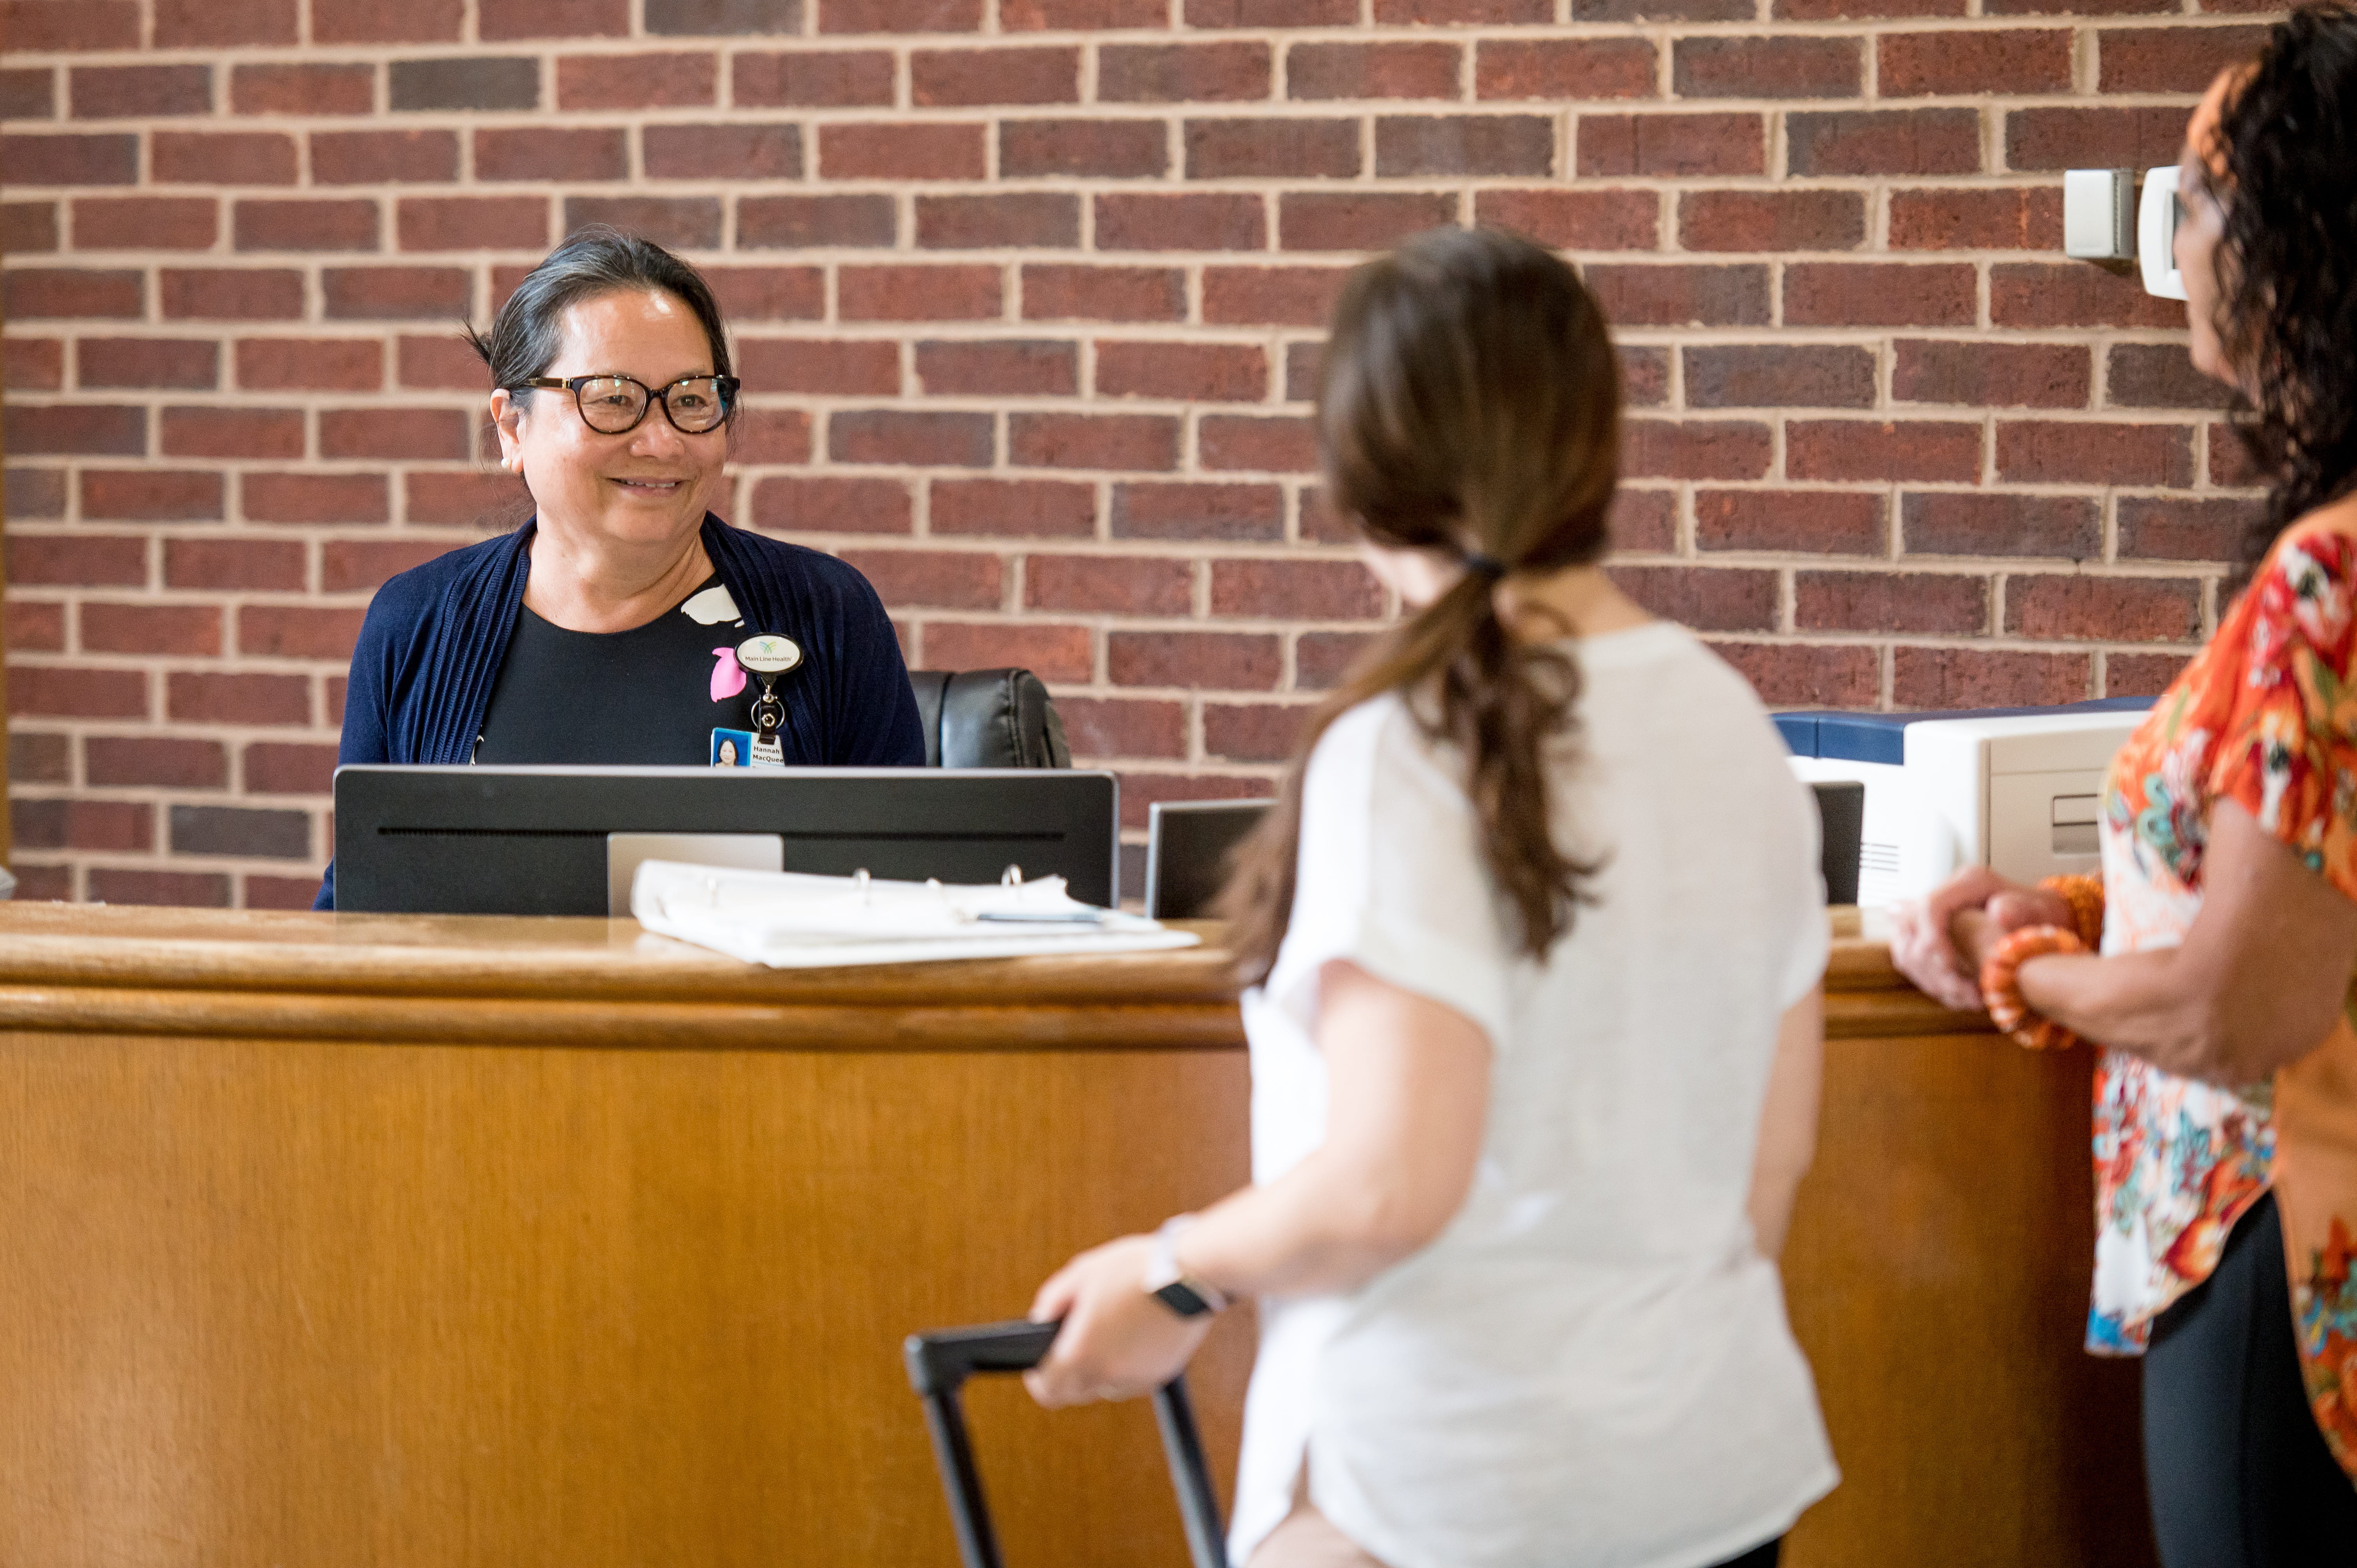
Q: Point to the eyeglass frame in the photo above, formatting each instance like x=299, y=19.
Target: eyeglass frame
x=725, y=385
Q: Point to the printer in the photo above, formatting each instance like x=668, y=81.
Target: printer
x=2017, y=789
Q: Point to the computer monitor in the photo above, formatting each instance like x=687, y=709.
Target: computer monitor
x=1187, y=846
x=533, y=841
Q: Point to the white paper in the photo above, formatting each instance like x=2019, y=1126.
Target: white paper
x=790, y=920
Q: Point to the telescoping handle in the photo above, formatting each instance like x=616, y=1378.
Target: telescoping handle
x=938, y=1365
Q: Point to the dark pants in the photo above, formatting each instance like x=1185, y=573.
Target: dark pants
x=1762, y=1556
x=2239, y=1475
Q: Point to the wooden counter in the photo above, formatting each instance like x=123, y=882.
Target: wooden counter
x=362, y=1241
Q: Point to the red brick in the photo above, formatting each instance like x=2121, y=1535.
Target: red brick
x=202, y=432
x=1012, y=508
x=1644, y=519
x=1310, y=149
x=1947, y=522
x=193, y=631
x=347, y=565
x=275, y=89
x=106, y=159
x=838, y=79
x=34, y=626
x=1192, y=222
x=139, y=92
x=26, y=227
x=550, y=153
x=1555, y=70
x=393, y=434
x=1672, y=146
x=1183, y=73
x=1991, y=375
x=1925, y=603
x=734, y=18
x=1254, y=297
x=1284, y=444
x=1197, y=511
x=768, y=294
x=1115, y=726
x=1681, y=294
x=1037, y=220
x=35, y=364
x=1811, y=522
x=370, y=22
x=1107, y=584
x=1012, y=368
x=220, y=157
x=1083, y=16
x=1806, y=675
x=1134, y=443
x=2040, y=139
x=503, y=19
x=1695, y=449
x=1289, y=590
x=1321, y=658
x=1770, y=66
x=1865, y=10
x=2141, y=674
x=305, y=225
x=1771, y=221
x=309, y=364
x=1265, y=13
x=2178, y=528
x=789, y=223
x=260, y=565
x=379, y=157
x=2230, y=463
x=1888, y=294
x=899, y=15
x=1960, y=64
x=284, y=767
x=1413, y=144
x=2013, y=219
x=746, y=151
x=2171, y=58
x=196, y=698
x=221, y=293
x=35, y=492
x=770, y=435
x=830, y=504
x=46, y=27
x=53, y=690
x=1108, y=149
x=942, y=579
x=2103, y=610
x=76, y=561
x=28, y=93
x=1462, y=13
x=1255, y=731
x=164, y=889
x=2158, y=375
x=1707, y=598
x=117, y=761
x=919, y=294
x=855, y=367
x=1588, y=220
x=1906, y=142
x=1053, y=293
x=108, y=430
x=30, y=292
x=1779, y=375
x=904, y=436
x=472, y=222
x=1218, y=372
x=910, y=150
x=1317, y=221
x=2035, y=452
x=2031, y=294
x=680, y=222
x=950, y=77
x=1322, y=70
x=608, y=83
x=1196, y=661
x=396, y=294
x=150, y=495
x=118, y=825
x=145, y=223
x=1860, y=449
x=1051, y=652
x=313, y=498
x=486, y=502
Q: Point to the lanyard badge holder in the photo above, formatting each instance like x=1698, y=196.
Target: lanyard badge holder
x=767, y=657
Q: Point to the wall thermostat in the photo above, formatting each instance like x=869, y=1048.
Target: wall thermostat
x=2157, y=235
x=2096, y=205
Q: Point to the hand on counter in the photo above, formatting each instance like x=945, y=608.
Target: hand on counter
x=1117, y=1341
x=1939, y=943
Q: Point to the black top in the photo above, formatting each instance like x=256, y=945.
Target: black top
x=649, y=695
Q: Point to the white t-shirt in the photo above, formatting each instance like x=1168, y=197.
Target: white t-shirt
x=1591, y=1366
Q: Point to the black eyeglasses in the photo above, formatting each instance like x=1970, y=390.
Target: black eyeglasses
x=613, y=405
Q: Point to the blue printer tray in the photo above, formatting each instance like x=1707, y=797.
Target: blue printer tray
x=1882, y=738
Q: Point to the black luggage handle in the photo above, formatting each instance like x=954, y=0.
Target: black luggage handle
x=938, y=1365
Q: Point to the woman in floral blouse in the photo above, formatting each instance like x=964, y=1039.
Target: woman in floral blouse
x=2226, y=916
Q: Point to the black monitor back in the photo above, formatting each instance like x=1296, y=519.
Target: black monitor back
x=531, y=841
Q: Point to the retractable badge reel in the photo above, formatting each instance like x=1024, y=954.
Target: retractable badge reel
x=767, y=657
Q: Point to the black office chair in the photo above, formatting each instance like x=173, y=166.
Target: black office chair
x=988, y=718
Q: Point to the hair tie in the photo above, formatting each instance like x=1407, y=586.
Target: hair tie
x=1480, y=565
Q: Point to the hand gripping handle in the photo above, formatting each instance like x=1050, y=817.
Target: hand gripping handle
x=938, y=1365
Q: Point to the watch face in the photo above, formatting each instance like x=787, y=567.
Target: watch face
x=1180, y=1299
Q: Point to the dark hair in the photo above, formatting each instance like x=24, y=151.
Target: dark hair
x=2287, y=263
x=592, y=261
x=1469, y=401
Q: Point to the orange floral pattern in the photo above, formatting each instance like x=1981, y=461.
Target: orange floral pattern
x=2267, y=716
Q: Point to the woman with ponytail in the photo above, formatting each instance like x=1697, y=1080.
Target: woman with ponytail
x=1538, y=933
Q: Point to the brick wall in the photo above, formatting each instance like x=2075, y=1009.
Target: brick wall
x=1028, y=295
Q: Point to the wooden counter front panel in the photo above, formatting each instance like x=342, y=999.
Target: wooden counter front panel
x=325, y=1304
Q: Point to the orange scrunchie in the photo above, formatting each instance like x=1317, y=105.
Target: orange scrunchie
x=2085, y=896
x=2001, y=986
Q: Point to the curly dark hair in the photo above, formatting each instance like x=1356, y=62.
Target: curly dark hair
x=2287, y=263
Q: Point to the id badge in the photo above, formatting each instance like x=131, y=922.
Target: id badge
x=732, y=748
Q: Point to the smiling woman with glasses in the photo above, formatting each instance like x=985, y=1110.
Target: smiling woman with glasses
x=606, y=630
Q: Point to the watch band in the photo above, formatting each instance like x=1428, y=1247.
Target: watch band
x=1170, y=1285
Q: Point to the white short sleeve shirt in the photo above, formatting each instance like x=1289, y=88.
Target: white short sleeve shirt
x=1591, y=1366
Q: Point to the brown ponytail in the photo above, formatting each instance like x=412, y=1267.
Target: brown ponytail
x=1468, y=403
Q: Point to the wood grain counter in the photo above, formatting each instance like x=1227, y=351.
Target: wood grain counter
x=364, y=1240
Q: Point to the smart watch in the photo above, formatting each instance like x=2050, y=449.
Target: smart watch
x=1170, y=1285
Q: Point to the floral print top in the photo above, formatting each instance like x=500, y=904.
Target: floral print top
x=2267, y=716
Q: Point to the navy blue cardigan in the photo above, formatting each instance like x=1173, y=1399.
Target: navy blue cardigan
x=435, y=636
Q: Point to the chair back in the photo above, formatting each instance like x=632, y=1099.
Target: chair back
x=988, y=718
